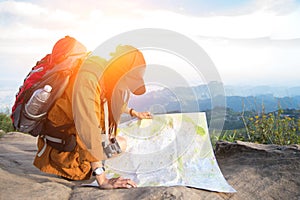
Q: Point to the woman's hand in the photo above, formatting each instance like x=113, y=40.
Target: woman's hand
x=114, y=183
x=139, y=115
x=142, y=115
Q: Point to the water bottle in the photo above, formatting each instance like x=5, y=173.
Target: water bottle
x=34, y=108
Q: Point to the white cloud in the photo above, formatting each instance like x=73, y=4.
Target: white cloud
x=280, y=7
x=28, y=30
x=111, y=18
x=20, y=8
x=29, y=21
x=255, y=61
x=261, y=23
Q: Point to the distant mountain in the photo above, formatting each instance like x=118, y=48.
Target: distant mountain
x=262, y=90
x=8, y=90
x=255, y=103
x=198, y=99
x=191, y=99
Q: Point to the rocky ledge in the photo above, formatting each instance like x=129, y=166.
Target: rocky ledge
x=256, y=171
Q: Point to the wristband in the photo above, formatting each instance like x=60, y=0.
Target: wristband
x=98, y=171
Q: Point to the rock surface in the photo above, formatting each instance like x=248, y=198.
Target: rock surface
x=255, y=171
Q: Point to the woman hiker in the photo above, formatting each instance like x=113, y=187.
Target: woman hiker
x=98, y=87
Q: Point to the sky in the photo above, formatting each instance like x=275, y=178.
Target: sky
x=251, y=42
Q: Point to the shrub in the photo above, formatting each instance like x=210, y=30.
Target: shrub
x=272, y=128
x=5, y=123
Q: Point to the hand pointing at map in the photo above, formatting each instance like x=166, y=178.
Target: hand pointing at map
x=139, y=115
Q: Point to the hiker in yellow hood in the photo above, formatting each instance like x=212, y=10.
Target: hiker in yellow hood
x=80, y=115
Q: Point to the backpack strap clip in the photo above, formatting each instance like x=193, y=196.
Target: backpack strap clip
x=110, y=145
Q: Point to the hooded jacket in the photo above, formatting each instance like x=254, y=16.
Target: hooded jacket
x=82, y=105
